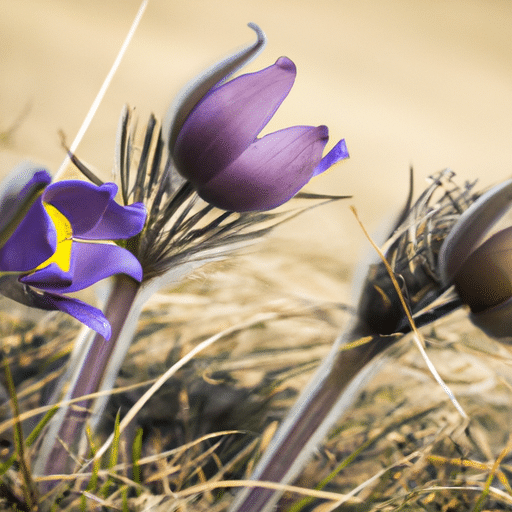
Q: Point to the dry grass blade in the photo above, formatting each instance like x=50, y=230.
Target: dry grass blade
x=494, y=470
x=210, y=486
x=171, y=371
x=418, y=338
x=29, y=491
x=100, y=501
x=103, y=88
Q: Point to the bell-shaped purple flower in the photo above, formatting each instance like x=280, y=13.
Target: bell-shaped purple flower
x=480, y=267
x=55, y=248
x=218, y=151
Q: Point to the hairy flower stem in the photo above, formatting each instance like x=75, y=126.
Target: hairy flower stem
x=93, y=371
x=319, y=406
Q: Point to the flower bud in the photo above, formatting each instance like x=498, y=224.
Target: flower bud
x=216, y=145
x=482, y=270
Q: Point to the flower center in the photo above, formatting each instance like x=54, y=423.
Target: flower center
x=62, y=254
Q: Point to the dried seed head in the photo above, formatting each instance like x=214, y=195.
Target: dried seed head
x=412, y=250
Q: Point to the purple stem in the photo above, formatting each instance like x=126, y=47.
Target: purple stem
x=89, y=381
x=294, y=442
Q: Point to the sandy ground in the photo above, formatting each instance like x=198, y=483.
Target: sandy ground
x=406, y=83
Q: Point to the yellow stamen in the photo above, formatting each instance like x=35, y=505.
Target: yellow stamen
x=62, y=254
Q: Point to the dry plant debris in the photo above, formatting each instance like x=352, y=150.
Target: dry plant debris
x=402, y=447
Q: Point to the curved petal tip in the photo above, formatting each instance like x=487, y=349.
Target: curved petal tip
x=286, y=64
x=336, y=154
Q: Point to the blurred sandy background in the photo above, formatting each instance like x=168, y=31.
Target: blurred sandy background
x=405, y=82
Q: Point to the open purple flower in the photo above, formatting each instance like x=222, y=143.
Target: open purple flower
x=217, y=149
x=55, y=247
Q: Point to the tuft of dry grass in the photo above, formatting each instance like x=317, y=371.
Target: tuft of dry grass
x=403, y=446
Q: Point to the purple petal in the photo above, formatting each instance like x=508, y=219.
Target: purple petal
x=11, y=287
x=485, y=278
x=337, y=153
x=118, y=222
x=90, y=263
x=85, y=313
x=496, y=322
x=228, y=120
x=93, y=212
x=39, y=177
x=32, y=243
x=88, y=315
x=194, y=91
x=471, y=228
x=20, y=186
x=51, y=277
x=82, y=203
x=270, y=172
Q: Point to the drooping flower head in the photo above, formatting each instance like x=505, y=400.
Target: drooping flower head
x=57, y=246
x=441, y=245
x=480, y=267
x=413, y=251
x=216, y=146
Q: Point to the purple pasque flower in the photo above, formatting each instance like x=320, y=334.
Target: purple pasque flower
x=55, y=247
x=217, y=149
x=480, y=266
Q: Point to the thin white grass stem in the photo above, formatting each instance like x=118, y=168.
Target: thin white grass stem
x=210, y=486
x=438, y=378
x=416, y=334
x=103, y=89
